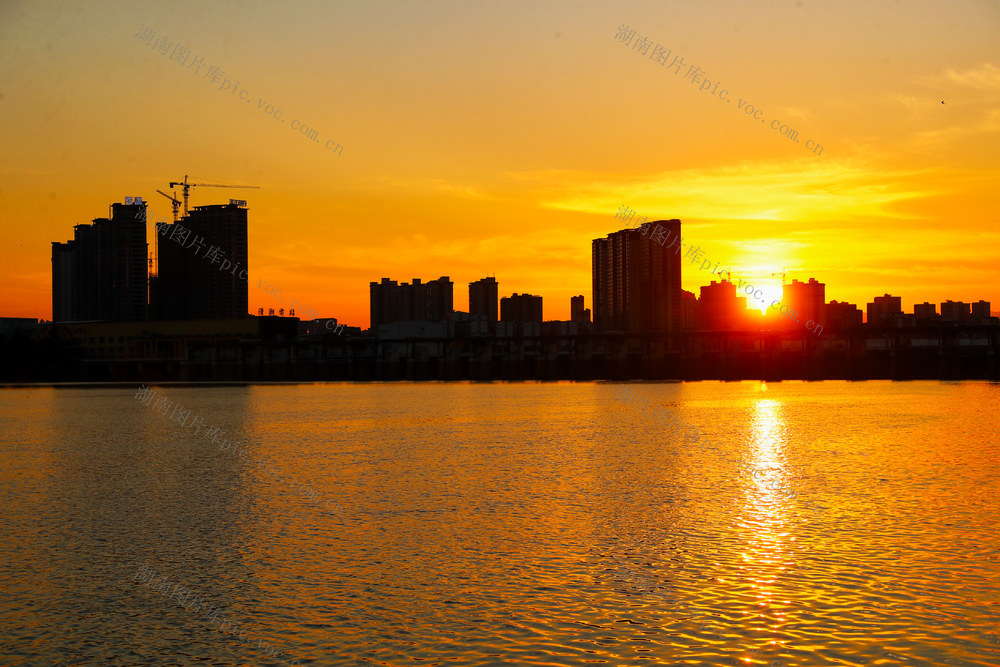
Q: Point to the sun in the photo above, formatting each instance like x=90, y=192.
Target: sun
x=770, y=291
x=760, y=291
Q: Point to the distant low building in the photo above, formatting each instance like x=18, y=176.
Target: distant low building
x=415, y=329
x=169, y=340
x=560, y=328
x=472, y=325
x=18, y=326
x=325, y=326
x=514, y=329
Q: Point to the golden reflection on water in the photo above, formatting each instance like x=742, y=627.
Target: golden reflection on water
x=529, y=524
x=766, y=482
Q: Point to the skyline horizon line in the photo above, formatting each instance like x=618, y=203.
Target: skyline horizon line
x=143, y=204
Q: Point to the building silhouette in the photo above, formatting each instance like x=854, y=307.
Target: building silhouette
x=807, y=299
x=955, y=311
x=522, y=308
x=719, y=309
x=440, y=299
x=841, y=316
x=637, y=280
x=577, y=313
x=883, y=310
x=101, y=275
x=406, y=302
x=980, y=312
x=202, y=265
x=483, y=295
x=64, y=281
x=689, y=310
x=925, y=312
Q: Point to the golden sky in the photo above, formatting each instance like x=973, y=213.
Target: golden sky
x=500, y=138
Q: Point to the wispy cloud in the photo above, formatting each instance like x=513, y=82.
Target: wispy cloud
x=984, y=78
x=801, y=191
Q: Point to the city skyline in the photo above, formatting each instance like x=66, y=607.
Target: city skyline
x=182, y=285
x=509, y=159
x=521, y=333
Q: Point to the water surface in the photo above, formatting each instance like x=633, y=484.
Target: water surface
x=467, y=524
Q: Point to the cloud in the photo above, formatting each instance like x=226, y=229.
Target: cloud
x=984, y=78
x=832, y=190
x=426, y=186
x=968, y=113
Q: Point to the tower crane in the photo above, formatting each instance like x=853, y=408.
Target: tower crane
x=174, y=201
x=185, y=187
x=782, y=274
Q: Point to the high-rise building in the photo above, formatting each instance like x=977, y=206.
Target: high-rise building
x=440, y=299
x=955, y=311
x=637, y=281
x=63, y=281
x=416, y=301
x=807, y=299
x=883, y=309
x=577, y=313
x=689, y=310
x=202, y=264
x=483, y=296
x=101, y=275
x=719, y=309
x=840, y=315
x=384, y=302
x=980, y=311
x=521, y=308
x=925, y=311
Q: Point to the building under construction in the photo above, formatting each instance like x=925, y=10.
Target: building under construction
x=198, y=271
x=202, y=265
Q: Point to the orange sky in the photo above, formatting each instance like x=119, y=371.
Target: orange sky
x=500, y=138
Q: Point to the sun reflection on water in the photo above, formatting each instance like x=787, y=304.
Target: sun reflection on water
x=765, y=480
